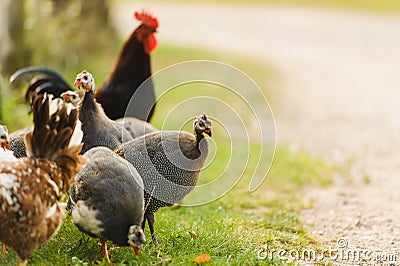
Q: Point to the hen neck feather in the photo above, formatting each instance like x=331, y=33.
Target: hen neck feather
x=133, y=64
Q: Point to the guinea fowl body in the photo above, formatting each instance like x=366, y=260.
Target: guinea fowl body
x=31, y=187
x=107, y=197
x=169, y=162
x=135, y=126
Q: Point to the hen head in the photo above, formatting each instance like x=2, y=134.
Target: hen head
x=85, y=81
x=4, y=140
x=202, y=125
x=145, y=33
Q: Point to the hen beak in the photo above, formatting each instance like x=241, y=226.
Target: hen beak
x=137, y=250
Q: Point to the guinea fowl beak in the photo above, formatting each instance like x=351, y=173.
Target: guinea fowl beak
x=208, y=131
x=137, y=250
x=78, y=83
x=66, y=97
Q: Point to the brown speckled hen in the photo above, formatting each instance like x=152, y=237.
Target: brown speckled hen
x=30, y=188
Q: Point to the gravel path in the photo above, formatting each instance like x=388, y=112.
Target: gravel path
x=339, y=84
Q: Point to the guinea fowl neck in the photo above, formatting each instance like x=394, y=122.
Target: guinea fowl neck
x=89, y=109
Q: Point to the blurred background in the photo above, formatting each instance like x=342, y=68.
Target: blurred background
x=328, y=68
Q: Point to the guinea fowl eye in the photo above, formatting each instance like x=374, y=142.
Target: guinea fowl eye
x=73, y=97
x=85, y=77
x=2, y=137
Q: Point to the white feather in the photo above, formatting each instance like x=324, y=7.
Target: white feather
x=77, y=135
x=7, y=156
x=86, y=218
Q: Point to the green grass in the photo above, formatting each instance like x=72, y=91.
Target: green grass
x=231, y=229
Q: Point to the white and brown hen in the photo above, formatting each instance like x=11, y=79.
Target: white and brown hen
x=30, y=188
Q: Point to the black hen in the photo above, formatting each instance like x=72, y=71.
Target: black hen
x=169, y=163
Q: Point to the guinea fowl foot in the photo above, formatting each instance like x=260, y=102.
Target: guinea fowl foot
x=104, y=250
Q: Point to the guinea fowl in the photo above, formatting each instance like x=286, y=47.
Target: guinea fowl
x=30, y=188
x=97, y=128
x=106, y=200
x=169, y=163
x=132, y=68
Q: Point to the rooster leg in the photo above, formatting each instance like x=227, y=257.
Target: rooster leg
x=3, y=250
x=104, y=250
x=150, y=221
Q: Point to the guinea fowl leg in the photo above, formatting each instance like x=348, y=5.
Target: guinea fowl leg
x=150, y=221
x=3, y=250
x=104, y=250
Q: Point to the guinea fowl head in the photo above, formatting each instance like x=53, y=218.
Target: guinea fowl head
x=4, y=140
x=136, y=238
x=71, y=97
x=202, y=125
x=85, y=81
x=145, y=32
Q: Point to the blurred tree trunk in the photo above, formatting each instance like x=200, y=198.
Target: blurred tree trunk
x=14, y=52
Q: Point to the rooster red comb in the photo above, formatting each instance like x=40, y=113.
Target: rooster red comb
x=147, y=19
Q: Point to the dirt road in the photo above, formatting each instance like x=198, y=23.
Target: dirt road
x=339, y=83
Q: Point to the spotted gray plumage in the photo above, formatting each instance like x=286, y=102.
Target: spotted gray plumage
x=17, y=144
x=169, y=163
x=113, y=189
x=135, y=126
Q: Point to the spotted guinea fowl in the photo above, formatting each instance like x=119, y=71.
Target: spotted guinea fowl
x=169, y=163
x=106, y=200
x=30, y=188
x=97, y=128
x=131, y=69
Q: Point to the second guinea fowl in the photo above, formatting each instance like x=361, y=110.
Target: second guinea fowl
x=106, y=200
x=169, y=162
x=97, y=128
x=135, y=126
